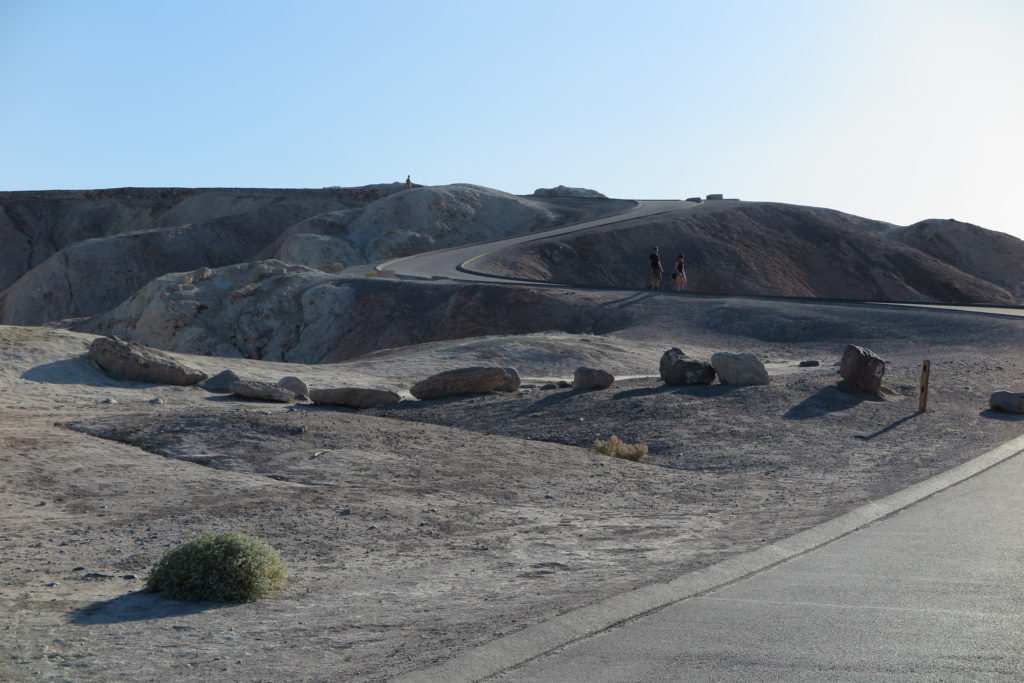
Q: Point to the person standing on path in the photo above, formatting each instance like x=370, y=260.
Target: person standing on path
x=656, y=270
x=679, y=274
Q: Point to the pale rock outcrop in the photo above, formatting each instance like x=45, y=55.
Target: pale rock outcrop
x=563, y=191
x=294, y=385
x=1007, y=402
x=863, y=369
x=263, y=391
x=462, y=381
x=739, y=368
x=354, y=397
x=592, y=378
x=677, y=369
x=323, y=252
x=124, y=360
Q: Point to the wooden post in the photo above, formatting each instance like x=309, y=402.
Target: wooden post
x=926, y=371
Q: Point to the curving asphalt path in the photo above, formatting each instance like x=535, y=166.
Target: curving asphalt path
x=456, y=263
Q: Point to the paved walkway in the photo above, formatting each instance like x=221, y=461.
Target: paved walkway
x=924, y=585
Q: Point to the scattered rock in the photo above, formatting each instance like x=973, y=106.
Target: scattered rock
x=354, y=397
x=263, y=391
x=548, y=387
x=219, y=383
x=157, y=401
x=1007, y=401
x=809, y=364
x=109, y=401
x=863, y=369
x=739, y=368
x=677, y=370
x=124, y=360
x=563, y=384
x=591, y=378
x=462, y=381
x=294, y=385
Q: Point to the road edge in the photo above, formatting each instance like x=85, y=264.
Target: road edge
x=534, y=641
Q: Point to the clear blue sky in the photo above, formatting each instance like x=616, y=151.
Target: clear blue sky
x=893, y=109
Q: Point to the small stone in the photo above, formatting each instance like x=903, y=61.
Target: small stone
x=157, y=401
x=110, y=401
x=809, y=363
x=130, y=577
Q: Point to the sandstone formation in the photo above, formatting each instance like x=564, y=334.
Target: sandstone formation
x=124, y=360
x=677, y=369
x=739, y=368
x=588, y=379
x=463, y=381
x=1007, y=401
x=354, y=397
x=270, y=310
x=262, y=391
x=863, y=369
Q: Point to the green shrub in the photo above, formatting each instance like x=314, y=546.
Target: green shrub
x=218, y=567
x=616, y=448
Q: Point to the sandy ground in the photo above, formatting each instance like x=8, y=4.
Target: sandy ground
x=418, y=531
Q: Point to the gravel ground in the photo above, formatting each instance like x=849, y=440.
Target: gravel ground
x=418, y=531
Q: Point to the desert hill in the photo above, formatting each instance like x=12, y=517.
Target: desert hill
x=56, y=243
x=760, y=248
x=163, y=265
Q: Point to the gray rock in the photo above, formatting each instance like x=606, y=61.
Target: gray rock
x=1007, y=401
x=294, y=385
x=678, y=370
x=220, y=383
x=548, y=387
x=563, y=191
x=124, y=360
x=263, y=391
x=739, y=368
x=591, y=378
x=809, y=364
x=463, y=381
x=354, y=397
x=863, y=369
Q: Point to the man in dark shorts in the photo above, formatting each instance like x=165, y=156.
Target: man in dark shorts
x=656, y=270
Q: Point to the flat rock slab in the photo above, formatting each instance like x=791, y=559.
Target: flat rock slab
x=463, y=381
x=125, y=360
x=354, y=397
x=262, y=391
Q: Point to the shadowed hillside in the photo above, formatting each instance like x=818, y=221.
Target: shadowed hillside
x=760, y=248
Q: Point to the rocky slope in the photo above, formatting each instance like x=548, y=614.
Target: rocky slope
x=761, y=248
x=60, y=241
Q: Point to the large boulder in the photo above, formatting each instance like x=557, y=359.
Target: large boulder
x=294, y=385
x=591, y=378
x=462, y=381
x=220, y=383
x=1007, y=401
x=262, y=391
x=354, y=397
x=678, y=370
x=739, y=368
x=124, y=360
x=863, y=369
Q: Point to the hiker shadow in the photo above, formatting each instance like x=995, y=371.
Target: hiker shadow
x=555, y=398
x=138, y=606
x=644, y=391
x=827, y=400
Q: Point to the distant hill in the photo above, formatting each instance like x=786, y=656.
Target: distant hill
x=762, y=248
x=73, y=254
